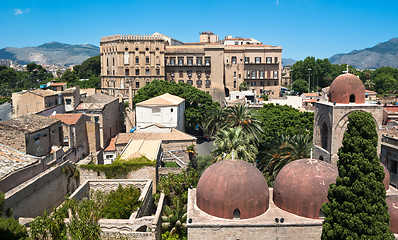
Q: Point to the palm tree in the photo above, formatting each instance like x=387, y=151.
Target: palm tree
x=214, y=120
x=240, y=115
x=232, y=143
x=282, y=151
x=369, y=84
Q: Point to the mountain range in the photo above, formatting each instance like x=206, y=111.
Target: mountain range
x=383, y=54
x=51, y=53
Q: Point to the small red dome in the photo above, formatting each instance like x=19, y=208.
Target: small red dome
x=392, y=203
x=347, y=88
x=302, y=186
x=232, y=186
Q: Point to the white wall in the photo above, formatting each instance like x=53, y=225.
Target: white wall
x=169, y=116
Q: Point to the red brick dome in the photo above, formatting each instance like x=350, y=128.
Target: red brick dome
x=386, y=180
x=347, y=88
x=392, y=203
x=302, y=186
x=231, y=189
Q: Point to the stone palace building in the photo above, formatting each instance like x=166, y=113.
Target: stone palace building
x=129, y=62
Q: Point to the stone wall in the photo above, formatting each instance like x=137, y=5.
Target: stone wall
x=43, y=192
x=277, y=231
x=146, y=172
x=21, y=175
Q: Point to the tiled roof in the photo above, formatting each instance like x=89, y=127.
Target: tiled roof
x=124, y=138
x=111, y=147
x=69, y=119
x=99, y=98
x=44, y=93
x=95, y=102
x=391, y=110
x=28, y=123
x=311, y=94
x=57, y=84
x=163, y=100
x=12, y=160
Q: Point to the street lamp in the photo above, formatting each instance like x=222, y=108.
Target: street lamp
x=309, y=83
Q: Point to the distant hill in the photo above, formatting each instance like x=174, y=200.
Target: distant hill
x=51, y=53
x=287, y=61
x=383, y=54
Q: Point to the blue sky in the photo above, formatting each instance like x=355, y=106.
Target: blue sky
x=303, y=28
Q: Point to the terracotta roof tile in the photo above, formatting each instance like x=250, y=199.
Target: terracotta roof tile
x=57, y=84
x=124, y=138
x=111, y=147
x=69, y=119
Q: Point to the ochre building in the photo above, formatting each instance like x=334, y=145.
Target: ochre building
x=129, y=62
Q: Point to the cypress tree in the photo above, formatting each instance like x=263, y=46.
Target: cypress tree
x=357, y=207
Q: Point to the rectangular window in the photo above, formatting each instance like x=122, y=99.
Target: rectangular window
x=240, y=75
x=233, y=59
x=199, y=61
x=234, y=74
x=109, y=156
x=190, y=61
x=137, y=60
x=172, y=61
x=258, y=59
x=180, y=61
x=147, y=60
x=156, y=110
x=137, y=71
x=189, y=73
x=126, y=72
x=137, y=84
x=68, y=101
x=147, y=71
x=254, y=74
x=234, y=84
x=268, y=83
x=96, y=119
x=236, y=43
x=248, y=74
x=261, y=83
x=275, y=83
x=276, y=60
x=253, y=83
x=269, y=60
x=207, y=61
x=275, y=74
x=246, y=59
x=261, y=74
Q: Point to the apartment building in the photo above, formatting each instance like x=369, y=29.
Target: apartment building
x=129, y=62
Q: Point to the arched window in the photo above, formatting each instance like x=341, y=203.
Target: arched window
x=324, y=136
x=190, y=82
x=352, y=98
x=236, y=214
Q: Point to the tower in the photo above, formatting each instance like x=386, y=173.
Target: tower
x=346, y=94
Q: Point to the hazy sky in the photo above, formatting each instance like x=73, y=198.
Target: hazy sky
x=303, y=28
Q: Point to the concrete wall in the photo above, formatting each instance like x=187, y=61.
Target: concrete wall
x=39, y=143
x=169, y=116
x=43, y=192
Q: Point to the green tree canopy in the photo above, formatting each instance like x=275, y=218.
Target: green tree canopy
x=357, y=207
x=280, y=120
x=197, y=102
x=300, y=86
